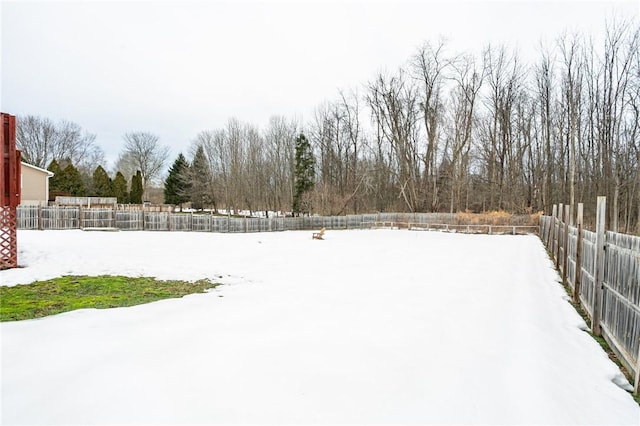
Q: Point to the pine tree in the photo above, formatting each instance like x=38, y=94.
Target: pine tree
x=101, y=184
x=136, y=188
x=200, y=180
x=120, y=188
x=176, y=186
x=56, y=179
x=304, y=174
x=71, y=181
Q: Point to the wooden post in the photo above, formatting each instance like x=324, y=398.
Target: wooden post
x=571, y=212
x=565, y=243
x=40, y=225
x=599, y=262
x=636, y=385
x=552, y=229
x=559, y=235
x=579, y=220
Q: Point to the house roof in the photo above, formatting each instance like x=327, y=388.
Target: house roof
x=31, y=166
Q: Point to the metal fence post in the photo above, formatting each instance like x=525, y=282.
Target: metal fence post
x=599, y=261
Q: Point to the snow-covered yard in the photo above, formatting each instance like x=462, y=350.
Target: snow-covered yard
x=365, y=327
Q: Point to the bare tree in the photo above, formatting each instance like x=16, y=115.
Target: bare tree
x=430, y=67
x=468, y=79
x=145, y=154
x=279, y=139
x=125, y=165
x=394, y=104
x=504, y=77
x=255, y=174
x=544, y=76
x=335, y=135
x=572, y=87
x=41, y=141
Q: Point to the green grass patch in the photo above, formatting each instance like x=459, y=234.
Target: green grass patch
x=42, y=298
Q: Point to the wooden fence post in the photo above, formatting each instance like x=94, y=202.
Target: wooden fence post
x=552, y=230
x=559, y=235
x=565, y=243
x=599, y=262
x=636, y=385
x=579, y=220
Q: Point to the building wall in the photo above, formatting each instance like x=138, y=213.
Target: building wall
x=35, y=187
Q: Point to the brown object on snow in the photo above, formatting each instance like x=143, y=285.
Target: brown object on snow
x=318, y=235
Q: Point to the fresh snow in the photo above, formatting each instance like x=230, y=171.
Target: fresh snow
x=365, y=327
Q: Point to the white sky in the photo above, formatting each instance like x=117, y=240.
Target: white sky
x=177, y=68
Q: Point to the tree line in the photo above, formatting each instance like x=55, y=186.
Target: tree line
x=446, y=132
x=68, y=181
x=71, y=153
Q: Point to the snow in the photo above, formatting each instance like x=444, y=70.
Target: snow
x=365, y=327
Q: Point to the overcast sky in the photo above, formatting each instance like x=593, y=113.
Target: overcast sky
x=177, y=68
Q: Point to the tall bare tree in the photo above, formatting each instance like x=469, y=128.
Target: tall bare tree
x=504, y=79
x=468, y=79
x=395, y=108
x=279, y=138
x=146, y=154
x=572, y=71
x=430, y=67
x=545, y=81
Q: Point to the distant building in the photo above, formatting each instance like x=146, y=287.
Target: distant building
x=34, y=182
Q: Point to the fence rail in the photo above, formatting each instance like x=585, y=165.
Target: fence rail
x=602, y=269
x=36, y=217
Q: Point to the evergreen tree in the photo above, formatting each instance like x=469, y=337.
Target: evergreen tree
x=136, y=188
x=120, y=188
x=56, y=179
x=176, y=186
x=200, y=180
x=101, y=184
x=304, y=174
x=71, y=181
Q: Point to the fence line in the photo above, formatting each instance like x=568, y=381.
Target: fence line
x=36, y=217
x=604, y=276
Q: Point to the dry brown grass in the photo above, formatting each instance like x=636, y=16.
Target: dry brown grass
x=498, y=217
